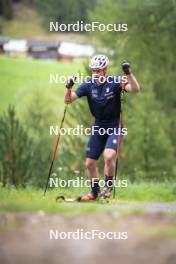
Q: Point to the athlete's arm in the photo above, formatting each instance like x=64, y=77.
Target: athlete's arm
x=132, y=85
x=79, y=92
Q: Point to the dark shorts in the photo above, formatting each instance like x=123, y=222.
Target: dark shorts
x=98, y=143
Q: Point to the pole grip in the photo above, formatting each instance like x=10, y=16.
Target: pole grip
x=68, y=93
x=69, y=90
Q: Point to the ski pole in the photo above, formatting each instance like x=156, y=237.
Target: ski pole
x=68, y=94
x=119, y=139
x=117, y=156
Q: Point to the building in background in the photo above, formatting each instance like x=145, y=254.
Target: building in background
x=16, y=48
x=71, y=50
x=43, y=49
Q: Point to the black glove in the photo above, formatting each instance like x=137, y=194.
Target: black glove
x=126, y=67
x=70, y=82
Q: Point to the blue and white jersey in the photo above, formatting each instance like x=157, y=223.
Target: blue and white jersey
x=104, y=100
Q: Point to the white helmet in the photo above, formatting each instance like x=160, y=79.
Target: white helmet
x=99, y=62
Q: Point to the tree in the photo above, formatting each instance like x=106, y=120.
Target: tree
x=39, y=115
x=6, y=9
x=149, y=46
x=69, y=11
x=15, y=155
x=147, y=151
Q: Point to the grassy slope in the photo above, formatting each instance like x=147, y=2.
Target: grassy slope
x=19, y=78
x=31, y=200
x=27, y=24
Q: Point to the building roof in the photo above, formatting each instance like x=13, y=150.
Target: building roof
x=75, y=50
x=16, y=46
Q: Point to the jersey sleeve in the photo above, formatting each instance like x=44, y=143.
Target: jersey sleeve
x=81, y=90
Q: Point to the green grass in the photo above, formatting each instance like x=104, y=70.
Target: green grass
x=32, y=200
x=149, y=191
x=20, y=78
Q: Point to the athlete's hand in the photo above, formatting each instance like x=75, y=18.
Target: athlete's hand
x=69, y=85
x=70, y=82
x=126, y=67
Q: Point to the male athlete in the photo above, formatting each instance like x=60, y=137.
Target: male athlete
x=103, y=94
